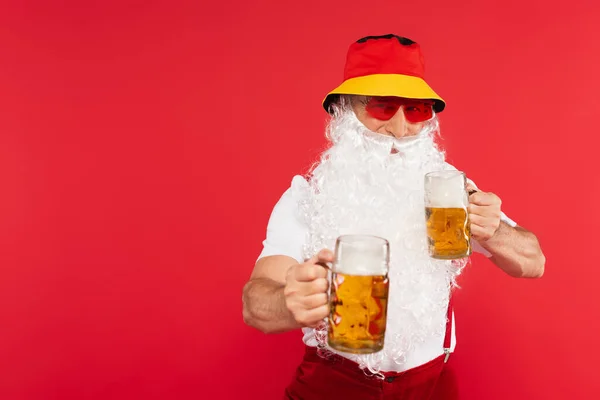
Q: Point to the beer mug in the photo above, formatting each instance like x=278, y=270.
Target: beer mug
x=446, y=201
x=358, y=294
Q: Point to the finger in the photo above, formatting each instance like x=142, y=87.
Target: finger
x=484, y=211
x=479, y=220
x=478, y=232
x=315, y=301
x=319, y=286
x=482, y=227
x=309, y=272
x=312, y=318
x=484, y=199
x=316, y=286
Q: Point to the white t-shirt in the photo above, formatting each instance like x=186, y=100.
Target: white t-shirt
x=286, y=235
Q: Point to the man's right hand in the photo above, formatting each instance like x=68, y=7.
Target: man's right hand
x=306, y=290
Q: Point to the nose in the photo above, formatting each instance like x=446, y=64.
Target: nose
x=397, y=126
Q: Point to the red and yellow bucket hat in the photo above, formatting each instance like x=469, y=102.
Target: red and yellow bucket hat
x=388, y=65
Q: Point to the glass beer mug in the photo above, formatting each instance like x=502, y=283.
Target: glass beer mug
x=359, y=294
x=446, y=201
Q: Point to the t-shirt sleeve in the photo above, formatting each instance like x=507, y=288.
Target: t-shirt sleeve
x=286, y=233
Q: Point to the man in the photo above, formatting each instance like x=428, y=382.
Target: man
x=371, y=180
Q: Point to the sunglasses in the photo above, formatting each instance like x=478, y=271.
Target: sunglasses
x=384, y=108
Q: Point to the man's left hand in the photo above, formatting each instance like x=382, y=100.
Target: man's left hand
x=484, y=214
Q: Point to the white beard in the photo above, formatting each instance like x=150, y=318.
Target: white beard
x=359, y=187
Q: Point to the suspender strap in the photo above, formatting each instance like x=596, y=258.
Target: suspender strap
x=448, y=337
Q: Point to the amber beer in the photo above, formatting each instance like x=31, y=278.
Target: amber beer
x=446, y=201
x=359, y=294
x=448, y=232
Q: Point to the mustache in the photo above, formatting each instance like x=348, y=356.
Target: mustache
x=346, y=126
x=403, y=143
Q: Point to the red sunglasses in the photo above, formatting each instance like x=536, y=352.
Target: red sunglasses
x=384, y=108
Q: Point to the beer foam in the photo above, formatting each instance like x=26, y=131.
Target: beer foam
x=446, y=193
x=361, y=258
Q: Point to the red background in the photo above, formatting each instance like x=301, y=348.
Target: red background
x=144, y=143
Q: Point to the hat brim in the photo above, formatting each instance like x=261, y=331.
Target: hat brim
x=405, y=86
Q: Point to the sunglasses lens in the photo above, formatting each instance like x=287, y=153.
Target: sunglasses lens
x=384, y=108
x=418, y=111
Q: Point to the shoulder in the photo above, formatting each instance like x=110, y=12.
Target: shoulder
x=286, y=231
x=288, y=201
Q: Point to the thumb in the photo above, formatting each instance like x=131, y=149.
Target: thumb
x=471, y=188
x=325, y=256
x=322, y=257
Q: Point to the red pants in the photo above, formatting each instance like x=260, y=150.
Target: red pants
x=339, y=378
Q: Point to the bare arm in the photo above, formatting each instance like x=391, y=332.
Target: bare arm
x=516, y=251
x=282, y=295
x=263, y=299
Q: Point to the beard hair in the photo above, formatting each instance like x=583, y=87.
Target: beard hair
x=360, y=187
